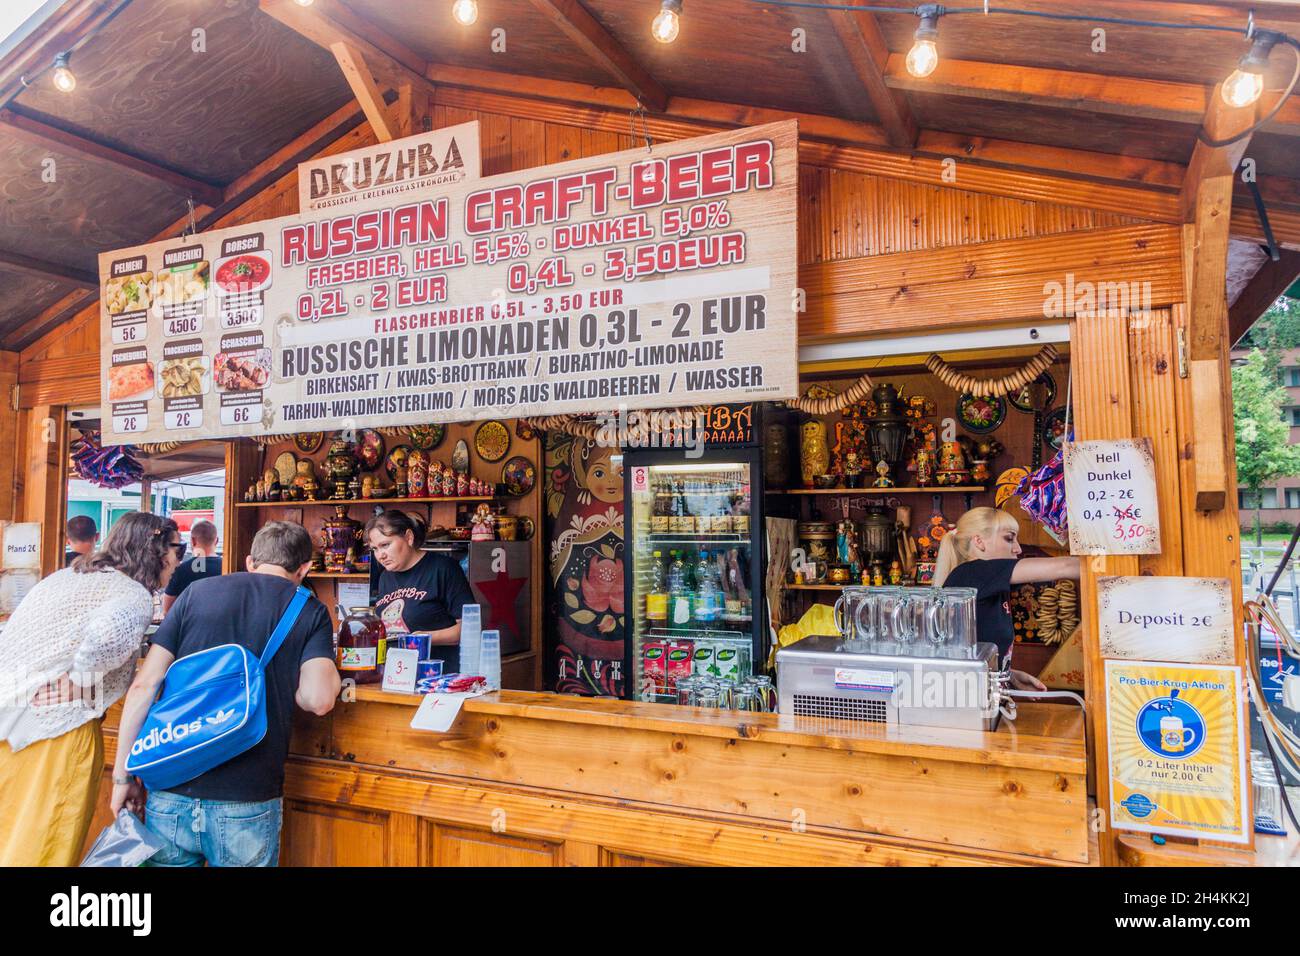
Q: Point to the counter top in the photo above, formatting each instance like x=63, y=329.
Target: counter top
x=1046, y=737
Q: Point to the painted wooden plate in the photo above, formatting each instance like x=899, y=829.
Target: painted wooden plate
x=492, y=441
x=395, y=458
x=981, y=414
x=427, y=437
x=308, y=442
x=1021, y=401
x=370, y=448
x=1054, y=428
x=519, y=476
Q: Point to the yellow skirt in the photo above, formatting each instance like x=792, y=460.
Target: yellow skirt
x=47, y=797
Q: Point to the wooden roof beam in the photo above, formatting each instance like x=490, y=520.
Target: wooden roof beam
x=355, y=71
x=868, y=54
x=49, y=271
x=327, y=22
x=1065, y=89
x=40, y=131
x=601, y=46
x=49, y=317
x=1272, y=279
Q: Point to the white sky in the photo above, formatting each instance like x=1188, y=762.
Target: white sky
x=13, y=13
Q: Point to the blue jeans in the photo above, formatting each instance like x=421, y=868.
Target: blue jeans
x=222, y=832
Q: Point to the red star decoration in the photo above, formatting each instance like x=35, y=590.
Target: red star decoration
x=501, y=593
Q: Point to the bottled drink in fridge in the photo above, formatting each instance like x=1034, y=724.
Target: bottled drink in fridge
x=656, y=599
x=679, y=597
x=706, y=591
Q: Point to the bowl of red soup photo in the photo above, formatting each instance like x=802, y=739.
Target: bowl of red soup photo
x=246, y=272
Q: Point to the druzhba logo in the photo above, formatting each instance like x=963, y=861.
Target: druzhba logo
x=174, y=733
x=75, y=908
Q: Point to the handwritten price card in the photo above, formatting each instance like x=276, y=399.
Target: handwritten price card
x=1188, y=620
x=1110, y=493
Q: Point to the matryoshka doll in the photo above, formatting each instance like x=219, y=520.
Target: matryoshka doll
x=449, y=483
x=462, y=485
x=417, y=473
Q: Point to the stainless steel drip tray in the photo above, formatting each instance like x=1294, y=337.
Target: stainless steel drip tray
x=817, y=677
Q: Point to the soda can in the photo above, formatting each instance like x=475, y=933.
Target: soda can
x=428, y=670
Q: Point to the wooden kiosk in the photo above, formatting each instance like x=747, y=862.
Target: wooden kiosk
x=903, y=231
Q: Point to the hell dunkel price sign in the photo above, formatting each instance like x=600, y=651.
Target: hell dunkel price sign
x=644, y=279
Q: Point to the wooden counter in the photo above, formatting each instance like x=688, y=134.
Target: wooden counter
x=528, y=779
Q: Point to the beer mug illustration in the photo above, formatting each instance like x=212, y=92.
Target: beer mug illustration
x=1174, y=737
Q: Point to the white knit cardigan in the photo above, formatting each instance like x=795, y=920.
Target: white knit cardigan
x=88, y=626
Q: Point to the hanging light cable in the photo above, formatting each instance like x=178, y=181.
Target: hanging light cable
x=924, y=55
x=667, y=22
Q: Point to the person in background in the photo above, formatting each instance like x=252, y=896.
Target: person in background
x=418, y=590
x=82, y=536
x=983, y=552
x=231, y=815
x=202, y=562
x=66, y=655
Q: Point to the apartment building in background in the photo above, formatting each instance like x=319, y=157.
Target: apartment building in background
x=1281, y=500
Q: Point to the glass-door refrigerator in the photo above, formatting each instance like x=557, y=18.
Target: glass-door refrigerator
x=694, y=573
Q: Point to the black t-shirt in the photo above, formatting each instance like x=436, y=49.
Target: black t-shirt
x=190, y=570
x=991, y=579
x=244, y=608
x=428, y=597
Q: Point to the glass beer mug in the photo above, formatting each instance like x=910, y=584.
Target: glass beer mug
x=848, y=616
x=950, y=621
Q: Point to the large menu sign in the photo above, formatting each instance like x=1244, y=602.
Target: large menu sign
x=643, y=279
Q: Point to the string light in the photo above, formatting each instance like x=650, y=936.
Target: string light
x=924, y=55
x=64, y=79
x=1246, y=83
x=667, y=22
x=465, y=11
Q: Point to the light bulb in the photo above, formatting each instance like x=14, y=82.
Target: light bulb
x=1242, y=88
x=667, y=22
x=922, y=58
x=304, y=3
x=465, y=11
x=64, y=80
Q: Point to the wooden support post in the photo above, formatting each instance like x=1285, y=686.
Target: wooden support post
x=1211, y=539
x=45, y=478
x=1207, y=208
x=9, y=478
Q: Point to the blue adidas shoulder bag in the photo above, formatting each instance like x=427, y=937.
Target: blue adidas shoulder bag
x=212, y=708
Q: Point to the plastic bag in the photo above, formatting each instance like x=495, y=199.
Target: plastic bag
x=124, y=842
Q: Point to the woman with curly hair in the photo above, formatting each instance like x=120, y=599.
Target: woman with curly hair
x=67, y=654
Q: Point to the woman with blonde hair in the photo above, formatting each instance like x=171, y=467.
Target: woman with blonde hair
x=983, y=552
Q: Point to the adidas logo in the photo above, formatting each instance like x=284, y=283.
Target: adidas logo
x=173, y=733
x=220, y=717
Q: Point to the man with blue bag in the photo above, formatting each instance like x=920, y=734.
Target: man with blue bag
x=232, y=658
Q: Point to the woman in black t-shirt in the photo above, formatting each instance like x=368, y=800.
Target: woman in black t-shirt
x=418, y=590
x=983, y=552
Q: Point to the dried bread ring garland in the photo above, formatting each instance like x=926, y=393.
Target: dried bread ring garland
x=657, y=421
x=1003, y=385
x=957, y=381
